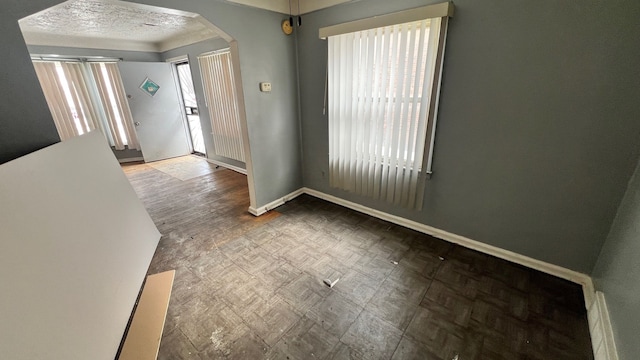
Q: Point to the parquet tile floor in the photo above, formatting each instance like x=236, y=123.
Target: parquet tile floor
x=251, y=288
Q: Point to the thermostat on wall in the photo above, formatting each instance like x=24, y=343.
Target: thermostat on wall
x=265, y=87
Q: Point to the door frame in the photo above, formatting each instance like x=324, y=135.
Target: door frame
x=176, y=78
x=175, y=61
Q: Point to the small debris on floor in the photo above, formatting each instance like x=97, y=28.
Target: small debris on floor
x=394, y=262
x=455, y=357
x=330, y=283
x=441, y=258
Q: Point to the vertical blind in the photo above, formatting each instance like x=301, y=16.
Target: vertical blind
x=83, y=97
x=68, y=98
x=380, y=90
x=222, y=102
x=116, y=107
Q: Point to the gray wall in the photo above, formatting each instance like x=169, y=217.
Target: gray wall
x=538, y=126
x=26, y=124
x=617, y=272
x=192, y=51
x=265, y=55
x=124, y=55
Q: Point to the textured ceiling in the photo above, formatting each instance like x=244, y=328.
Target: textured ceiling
x=286, y=6
x=110, y=24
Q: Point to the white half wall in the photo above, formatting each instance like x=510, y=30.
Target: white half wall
x=75, y=245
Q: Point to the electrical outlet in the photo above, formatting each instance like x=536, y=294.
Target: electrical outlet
x=265, y=87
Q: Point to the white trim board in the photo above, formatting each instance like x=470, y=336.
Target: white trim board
x=598, y=315
x=529, y=262
x=559, y=271
x=604, y=347
x=230, y=167
x=274, y=204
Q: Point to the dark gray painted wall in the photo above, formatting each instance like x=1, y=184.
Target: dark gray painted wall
x=192, y=51
x=265, y=55
x=124, y=55
x=538, y=126
x=26, y=124
x=617, y=272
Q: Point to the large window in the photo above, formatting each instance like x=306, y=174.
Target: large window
x=383, y=86
x=86, y=96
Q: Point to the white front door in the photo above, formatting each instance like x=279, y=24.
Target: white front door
x=159, y=121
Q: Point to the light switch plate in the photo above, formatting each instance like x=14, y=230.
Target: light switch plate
x=265, y=87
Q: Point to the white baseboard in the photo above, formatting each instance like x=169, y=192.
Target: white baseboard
x=274, y=204
x=551, y=269
x=604, y=347
x=599, y=323
x=133, y=159
x=227, y=166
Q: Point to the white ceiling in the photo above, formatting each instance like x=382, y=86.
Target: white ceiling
x=122, y=25
x=112, y=24
x=282, y=6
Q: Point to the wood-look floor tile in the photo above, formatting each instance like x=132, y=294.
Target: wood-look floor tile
x=304, y=292
x=448, y=303
x=186, y=285
x=271, y=319
x=390, y=249
x=405, y=285
x=357, y=287
x=458, y=278
x=214, y=323
x=442, y=337
x=284, y=274
x=335, y=314
x=280, y=245
x=251, y=287
x=246, y=346
x=325, y=267
x=176, y=346
x=305, y=340
x=392, y=310
x=343, y=351
x=258, y=261
x=421, y=262
x=374, y=266
x=510, y=300
x=372, y=337
x=412, y=350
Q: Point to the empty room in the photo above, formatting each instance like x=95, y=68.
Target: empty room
x=306, y=179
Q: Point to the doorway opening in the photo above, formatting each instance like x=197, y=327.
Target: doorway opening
x=165, y=126
x=190, y=104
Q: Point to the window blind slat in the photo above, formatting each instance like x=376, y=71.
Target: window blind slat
x=370, y=81
x=408, y=187
x=387, y=38
x=399, y=120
